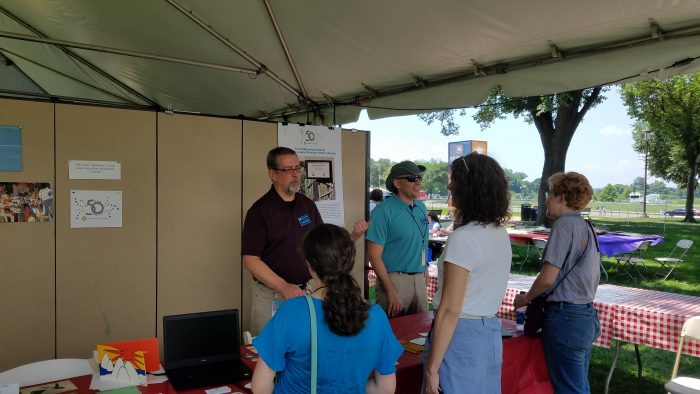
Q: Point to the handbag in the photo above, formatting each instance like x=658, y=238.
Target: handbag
x=534, y=313
x=314, y=343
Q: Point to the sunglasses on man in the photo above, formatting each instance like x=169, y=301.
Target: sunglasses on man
x=412, y=178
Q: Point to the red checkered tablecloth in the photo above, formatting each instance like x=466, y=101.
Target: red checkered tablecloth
x=431, y=283
x=645, y=317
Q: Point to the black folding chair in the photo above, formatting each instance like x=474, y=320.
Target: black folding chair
x=628, y=263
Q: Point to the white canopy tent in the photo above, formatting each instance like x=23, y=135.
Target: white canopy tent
x=322, y=60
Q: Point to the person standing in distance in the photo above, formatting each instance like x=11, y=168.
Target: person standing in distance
x=274, y=228
x=398, y=239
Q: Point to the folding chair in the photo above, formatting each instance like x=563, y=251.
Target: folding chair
x=628, y=262
x=514, y=246
x=670, y=260
x=684, y=384
x=540, y=244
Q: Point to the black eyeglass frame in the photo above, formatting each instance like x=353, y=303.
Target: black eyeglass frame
x=287, y=170
x=412, y=178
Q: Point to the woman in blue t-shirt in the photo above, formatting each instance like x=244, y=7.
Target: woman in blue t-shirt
x=357, y=350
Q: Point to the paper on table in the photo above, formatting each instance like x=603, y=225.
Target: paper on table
x=124, y=390
x=10, y=388
x=46, y=371
x=218, y=390
x=50, y=388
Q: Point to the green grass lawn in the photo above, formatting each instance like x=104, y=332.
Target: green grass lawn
x=657, y=364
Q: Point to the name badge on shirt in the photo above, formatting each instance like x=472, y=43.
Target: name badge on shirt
x=304, y=220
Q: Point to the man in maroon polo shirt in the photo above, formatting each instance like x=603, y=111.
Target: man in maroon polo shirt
x=273, y=230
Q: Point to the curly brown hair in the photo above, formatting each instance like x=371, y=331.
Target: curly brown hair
x=479, y=190
x=575, y=187
x=331, y=253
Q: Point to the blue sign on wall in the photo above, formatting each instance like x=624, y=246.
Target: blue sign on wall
x=10, y=148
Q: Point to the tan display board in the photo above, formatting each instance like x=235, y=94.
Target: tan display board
x=105, y=277
x=27, y=263
x=355, y=192
x=258, y=139
x=199, y=214
x=186, y=183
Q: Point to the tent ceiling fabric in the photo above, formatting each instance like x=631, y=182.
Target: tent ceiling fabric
x=331, y=57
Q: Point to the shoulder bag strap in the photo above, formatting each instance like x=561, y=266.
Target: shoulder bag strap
x=595, y=238
x=314, y=343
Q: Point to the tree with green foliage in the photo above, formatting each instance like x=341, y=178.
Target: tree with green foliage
x=378, y=171
x=516, y=180
x=434, y=177
x=671, y=110
x=638, y=184
x=556, y=118
x=657, y=187
x=616, y=192
x=608, y=193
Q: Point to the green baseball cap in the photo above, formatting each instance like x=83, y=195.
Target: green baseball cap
x=399, y=169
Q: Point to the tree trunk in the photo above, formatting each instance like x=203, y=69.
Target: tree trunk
x=556, y=135
x=690, y=197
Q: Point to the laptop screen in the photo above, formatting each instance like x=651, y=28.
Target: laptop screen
x=201, y=338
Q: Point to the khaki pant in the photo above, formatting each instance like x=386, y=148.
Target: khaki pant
x=261, y=311
x=412, y=290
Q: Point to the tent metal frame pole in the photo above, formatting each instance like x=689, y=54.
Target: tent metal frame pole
x=82, y=60
x=520, y=64
x=287, y=53
x=123, y=52
x=99, y=89
x=22, y=95
x=261, y=68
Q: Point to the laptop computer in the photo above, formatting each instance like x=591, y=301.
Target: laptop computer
x=203, y=349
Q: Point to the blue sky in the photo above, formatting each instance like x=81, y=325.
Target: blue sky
x=601, y=148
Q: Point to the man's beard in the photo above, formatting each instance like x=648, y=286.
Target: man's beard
x=294, y=188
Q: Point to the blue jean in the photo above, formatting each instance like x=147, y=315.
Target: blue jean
x=567, y=338
x=472, y=361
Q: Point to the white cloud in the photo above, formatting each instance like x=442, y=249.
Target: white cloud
x=624, y=165
x=613, y=131
x=439, y=149
x=593, y=166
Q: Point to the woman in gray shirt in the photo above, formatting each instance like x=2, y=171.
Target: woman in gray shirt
x=570, y=266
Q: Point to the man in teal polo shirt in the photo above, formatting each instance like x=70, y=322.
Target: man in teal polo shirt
x=398, y=238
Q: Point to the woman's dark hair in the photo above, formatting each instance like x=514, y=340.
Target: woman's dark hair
x=331, y=254
x=376, y=195
x=433, y=216
x=479, y=190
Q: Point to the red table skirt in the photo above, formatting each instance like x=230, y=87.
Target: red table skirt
x=524, y=369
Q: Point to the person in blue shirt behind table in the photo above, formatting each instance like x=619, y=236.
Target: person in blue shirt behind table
x=357, y=350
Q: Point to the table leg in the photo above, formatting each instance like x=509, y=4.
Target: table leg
x=616, y=353
x=602, y=267
x=639, y=362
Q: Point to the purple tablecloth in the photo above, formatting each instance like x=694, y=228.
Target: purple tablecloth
x=612, y=244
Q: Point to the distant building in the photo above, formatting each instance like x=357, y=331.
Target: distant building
x=651, y=198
